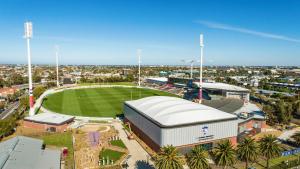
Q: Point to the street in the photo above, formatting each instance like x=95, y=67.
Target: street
x=11, y=109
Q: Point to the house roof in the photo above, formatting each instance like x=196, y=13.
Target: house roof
x=26, y=153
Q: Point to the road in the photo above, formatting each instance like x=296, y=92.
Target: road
x=10, y=110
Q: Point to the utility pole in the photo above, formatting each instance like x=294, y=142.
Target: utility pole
x=56, y=55
x=28, y=36
x=201, y=64
x=139, y=51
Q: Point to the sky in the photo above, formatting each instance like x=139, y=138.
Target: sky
x=109, y=32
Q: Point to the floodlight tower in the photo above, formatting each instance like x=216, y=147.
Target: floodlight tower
x=201, y=64
x=192, y=65
x=56, y=55
x=28, y=36
x=139, y=51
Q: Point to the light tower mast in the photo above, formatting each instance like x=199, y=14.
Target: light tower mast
x=192, y=64
x=201, y=64
x=56, y=54
x=28, y=36
x=139, y=51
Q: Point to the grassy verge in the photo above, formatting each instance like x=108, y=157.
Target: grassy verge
x=110, y=154
x=118, y=143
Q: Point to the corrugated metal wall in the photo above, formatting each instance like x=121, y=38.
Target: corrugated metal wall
x=196, y=134
x=153, y=131
x=179, y=136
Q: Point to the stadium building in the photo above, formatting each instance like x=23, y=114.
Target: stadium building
x=161, y=121
x=226, y=90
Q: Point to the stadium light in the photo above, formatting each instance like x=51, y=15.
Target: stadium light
x=192, y=64
x=201, y=64
x=56, y=55
x=28, y=36
x=139, y=51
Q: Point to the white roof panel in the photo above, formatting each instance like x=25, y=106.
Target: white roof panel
x=160, y=79
x=172, y=111
x=51, y=118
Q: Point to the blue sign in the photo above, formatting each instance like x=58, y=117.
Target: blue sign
x=290, y=152
x=205, y=130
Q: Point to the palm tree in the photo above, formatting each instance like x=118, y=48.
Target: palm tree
x=197, y=158
x=168, y=158
x=224, y=154
x=296, y=138
x=269, y=147
x=247, y=150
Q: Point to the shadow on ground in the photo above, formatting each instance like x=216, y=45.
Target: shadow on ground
x=143, y=165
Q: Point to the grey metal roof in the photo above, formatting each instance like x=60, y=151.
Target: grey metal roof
x=26, y=153
x=227, y=105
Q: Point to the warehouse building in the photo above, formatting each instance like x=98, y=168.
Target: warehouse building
x=162, y=120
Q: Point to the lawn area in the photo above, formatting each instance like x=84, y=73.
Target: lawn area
x=109, y=83
x=61, y=140
x=118, y=143
x=111, y=154
x=96, y=102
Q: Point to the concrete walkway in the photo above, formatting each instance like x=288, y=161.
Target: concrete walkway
x=138, y=156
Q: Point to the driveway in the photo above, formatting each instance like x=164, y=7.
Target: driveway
x=288, y=133
x=138, y=156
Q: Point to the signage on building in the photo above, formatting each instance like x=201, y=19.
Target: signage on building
x=290, y=152
x=205, y=133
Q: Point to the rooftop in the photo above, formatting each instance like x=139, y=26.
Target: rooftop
x=27, y=153
x=236, y=106
x=50, y=118
x=160, y=79
x=172, y=111
x=222, y=86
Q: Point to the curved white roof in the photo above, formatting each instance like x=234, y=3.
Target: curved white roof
x=172, y=111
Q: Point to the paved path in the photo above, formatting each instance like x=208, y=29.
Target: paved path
x=287, y=134
x=139, y=156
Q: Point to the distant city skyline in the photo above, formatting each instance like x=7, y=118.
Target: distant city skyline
x=247, y=32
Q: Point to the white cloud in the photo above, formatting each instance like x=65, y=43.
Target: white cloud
x=216, y=25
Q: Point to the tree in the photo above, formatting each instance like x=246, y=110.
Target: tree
x=168, y=158
x=24, y=101
x=39, y=90
x=296, y=108
x=247, y=150
x=284, y=112
x=224, y=154
x=197, y=158
x=296, y=138
x=16, y=79
x=269, y=147
x=269, y=110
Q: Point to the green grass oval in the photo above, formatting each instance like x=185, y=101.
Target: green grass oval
x=96, y=102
